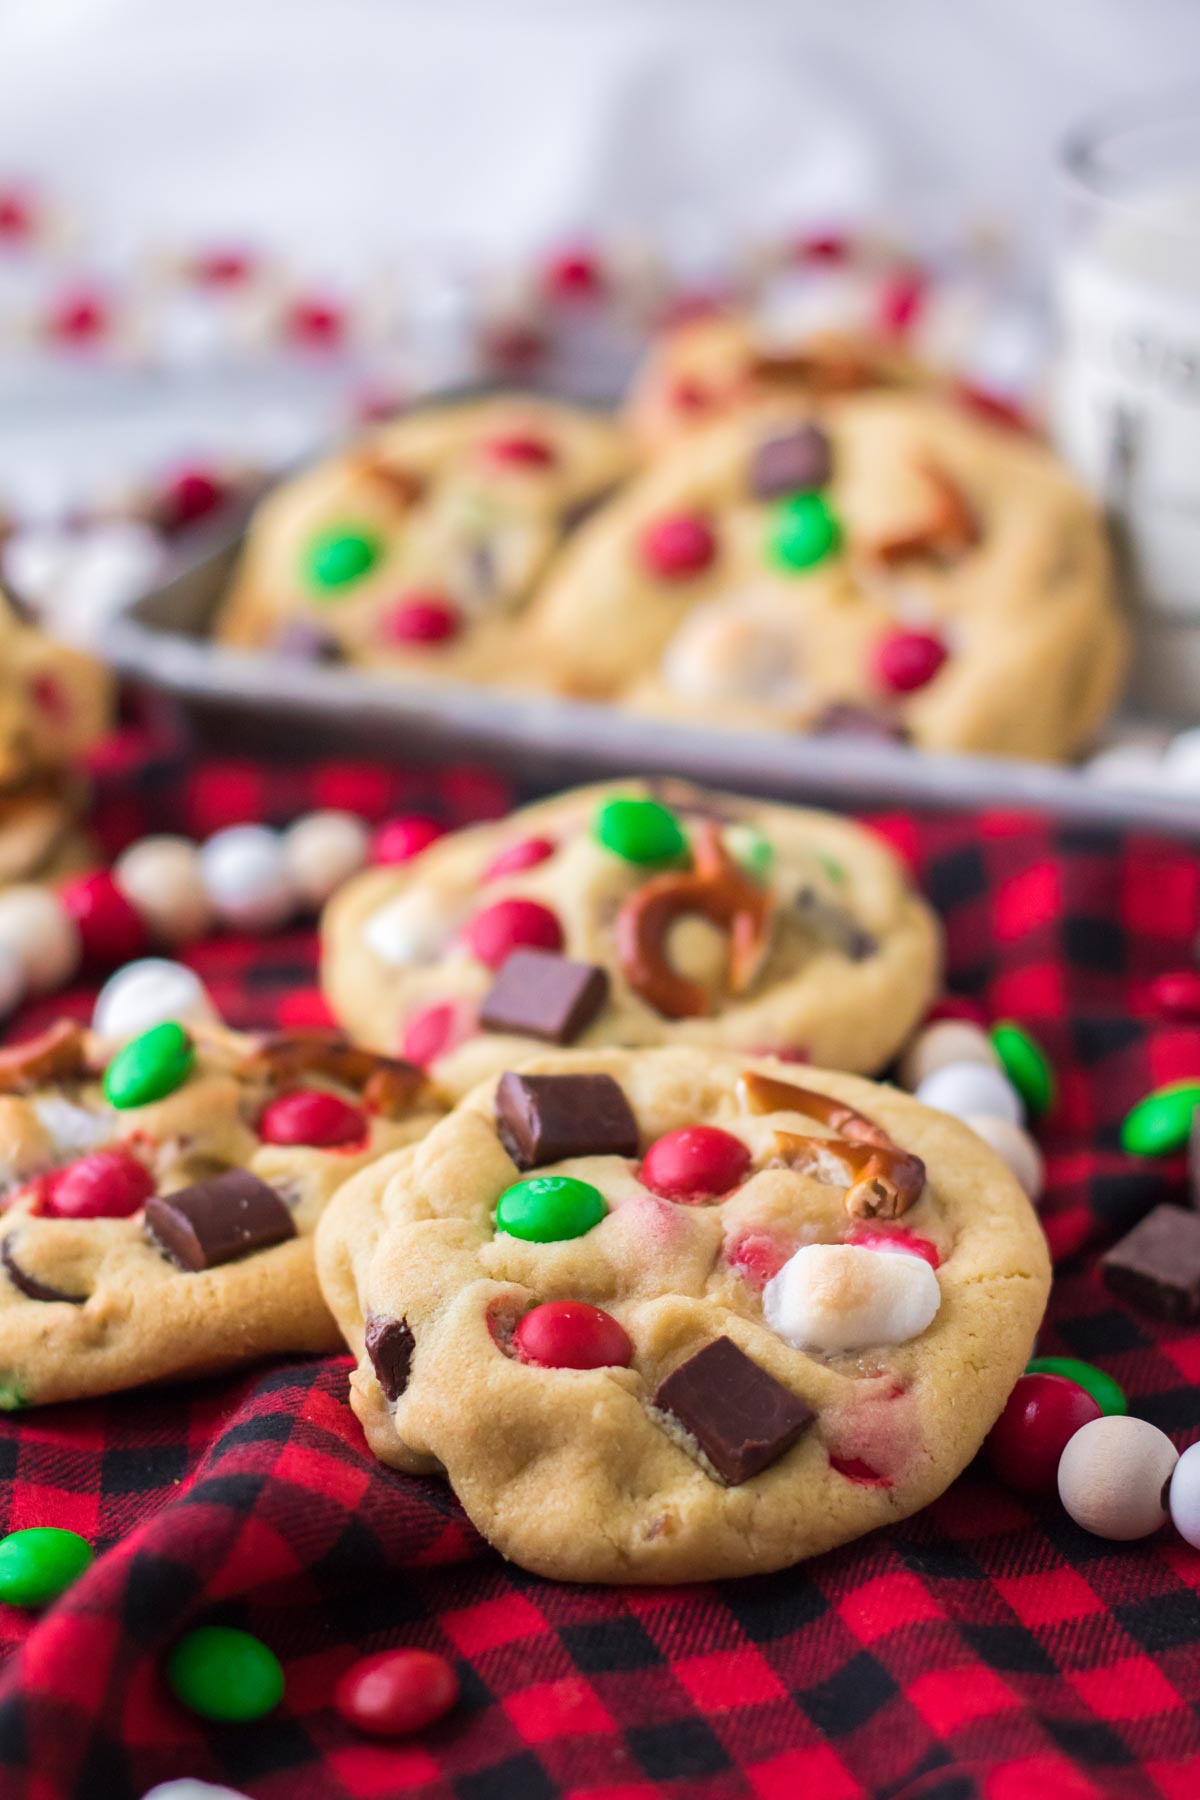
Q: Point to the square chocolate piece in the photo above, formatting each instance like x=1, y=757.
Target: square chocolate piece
x=219, y=1220
x=545, y=1118
x=740, y=1416
x=793, y=462
x=1157, y=1264
x=540, y=994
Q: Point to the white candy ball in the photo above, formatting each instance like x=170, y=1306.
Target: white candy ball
x=845, y=1297
x=413, y=928
x=161, y=877
x=1113, y=1474
x=1016, y=1148
x=1185, y=1496
x=322, y=851
x=247, y=879
x=191, y=1789
x=41, y=934
x=945, y=1041
x=963, y=1088
x=150, y=992
x=1181, y=761
x=12, y=981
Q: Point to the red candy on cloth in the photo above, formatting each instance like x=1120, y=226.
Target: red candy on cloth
x=984, y=1649
x=1043, y=1413
x=311, y=1116
x=107, y=1184
x=699, y=1162
x=399, y=840
x=110, y=928
x=398, y=1692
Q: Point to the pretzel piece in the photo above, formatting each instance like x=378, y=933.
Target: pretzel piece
x=715, y=888
x=387, y=1083
x=949, y=528
x=56, y=1054
x=884, y=1179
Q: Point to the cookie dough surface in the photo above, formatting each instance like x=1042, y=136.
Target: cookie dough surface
x=788, y=580
x=416, y=549
x=586, y=1473
x=91, y=1305
x=844, y=959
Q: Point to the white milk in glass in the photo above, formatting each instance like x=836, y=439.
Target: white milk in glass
x=1125, y=403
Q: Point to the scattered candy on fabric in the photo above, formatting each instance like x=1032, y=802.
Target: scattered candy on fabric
x=111, y=929
x=246, y=877
x=398, y=840
x=1161, y=1122
x=1108, y=1394
x=1184, y=1496
x=150, y=1067
x=162, y=877
x=187, y=1788
x=396, y=1692
x=148, y=993
x=321, y=851
x=1113, y=1476
x=1014, y=1147
x=1026, y=1065
x=964, y=1088
x=570, y=1334
x=1176, y=994
x=549, y=1208
x=36, y=928
x=835, y=1297
x=1040, y=1417
x=225, y=1674
x=944, y=1042
x=40, y=1563
x=696, y=1163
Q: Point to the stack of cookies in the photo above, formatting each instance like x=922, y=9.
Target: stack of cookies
x=55, y=703
x=809, y=537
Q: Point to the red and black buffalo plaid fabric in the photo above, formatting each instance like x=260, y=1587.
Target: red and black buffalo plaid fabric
x=984, y=1650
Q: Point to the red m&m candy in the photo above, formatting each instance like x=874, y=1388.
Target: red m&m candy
x=189, y=496
x=522, y=451
x=526, y=854
x=398, y=840
x=508, y=925
x=110, y=930
x=873, y=1237
x=311, y=1116
x=1043, y=1412
x=569, y=1334
x=907, y=660
x=397, y=1692
x=700, y=1162
x=434, y=1031
x=421, y=618
x=107, y=1184
x=678, y=545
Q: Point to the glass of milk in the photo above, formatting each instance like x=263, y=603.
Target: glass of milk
x=1125, y=388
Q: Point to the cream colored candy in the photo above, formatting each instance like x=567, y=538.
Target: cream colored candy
x=413, y=928
x=1113, y=1476
x=1014, y=1147
x=322, y=851
x=247, y=878
x=963, y=1088
x=41, y=934
x=842, y=1297
x=161, y=877
x=945, y=1041
x=148, y=993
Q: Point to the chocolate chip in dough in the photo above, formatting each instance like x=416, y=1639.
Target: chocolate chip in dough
x=741, y=1418
x=540, y=994
x=544, y=1119
x=28, y=1284
x=390, y=1345
x=219, y=1220
x=795, y=462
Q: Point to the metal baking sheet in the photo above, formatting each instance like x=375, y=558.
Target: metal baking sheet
x=256, y=700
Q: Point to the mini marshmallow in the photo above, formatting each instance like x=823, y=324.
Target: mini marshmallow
x=720, y=653
x=146, y=993
x=835, y=1297
x=411, y=929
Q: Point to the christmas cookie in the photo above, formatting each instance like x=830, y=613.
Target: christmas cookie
x=417, y=547
x=706, y=368
x=635, y=913
x=670, y=1315
x=883, y=563
x=160, y=1201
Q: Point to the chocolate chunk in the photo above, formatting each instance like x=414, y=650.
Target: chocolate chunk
x=218, y=1220
x=1157, y=1264
x=542, y=995
x=843, y=719
x=794, y=463
x=834, y=925
x=29, y=1284
x=545, y=1118
x=299, y=641
x=740, y=1416
x=390, y=1346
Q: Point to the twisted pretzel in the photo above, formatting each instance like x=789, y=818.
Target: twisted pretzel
x=884, y=1181
x=387, y=1083
x=949, y=528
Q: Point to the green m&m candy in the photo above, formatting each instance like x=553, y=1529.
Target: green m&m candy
x=1108, y=1394
x=225, y=1674
x=40, y=1563
x=150, y=1067
x=1161, y=1122
x=1025, y=1063
x=548, y=1208
x=338, y=557
x=640, y=831
x=803, y=532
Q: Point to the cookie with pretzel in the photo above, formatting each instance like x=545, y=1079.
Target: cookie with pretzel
x=160, y=1200
x=881, y=564
x=416, y=548
x=678, y=1314
x=635, y=913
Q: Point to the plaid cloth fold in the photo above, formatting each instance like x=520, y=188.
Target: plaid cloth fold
x=985, y=1650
